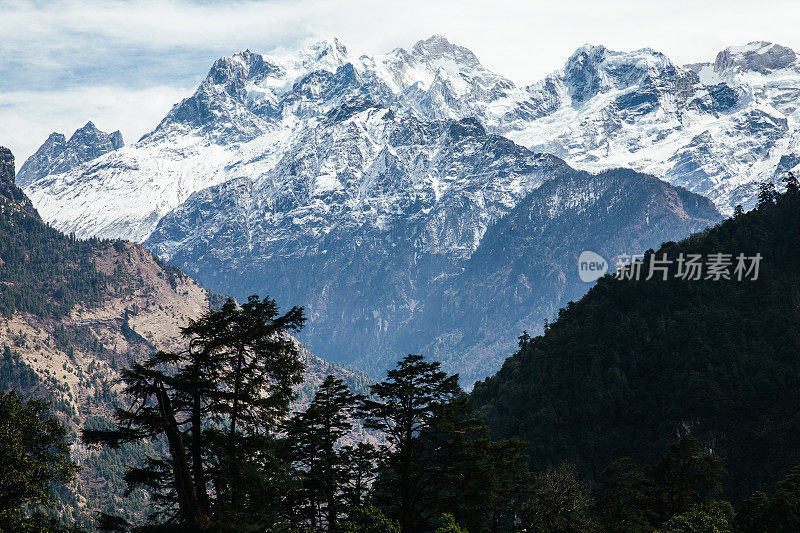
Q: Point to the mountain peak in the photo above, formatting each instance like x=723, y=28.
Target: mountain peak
x=593, y=69
x=593, y=52
x=758, y=56
x=437, y=48
x=57, y=155
x=329, y=54
x=56, y=137
x=95, y=140
x=89, y=126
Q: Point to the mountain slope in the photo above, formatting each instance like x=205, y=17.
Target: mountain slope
x=305, y=176
x=634, y=364
x=375, y=221
x=525, y=267
x=72, y=313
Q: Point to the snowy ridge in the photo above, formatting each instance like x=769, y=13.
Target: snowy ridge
x=377, y=191
x=716, y=128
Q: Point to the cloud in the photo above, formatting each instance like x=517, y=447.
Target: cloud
x=29, y=117
x=53, y=54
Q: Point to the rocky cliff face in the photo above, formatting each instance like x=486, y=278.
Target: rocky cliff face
x=58, y=155
x=378, y=223
x=6, y=165
x=11, y=196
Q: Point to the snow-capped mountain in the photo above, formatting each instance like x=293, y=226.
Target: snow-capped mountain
x=376, y=222
x=248, y=109
x=58, y=155
x=718, y=129
x=365, y=187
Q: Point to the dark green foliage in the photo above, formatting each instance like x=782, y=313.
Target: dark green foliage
x=359, y=462
x=634, y=363
x=624, y=497
x=34, y=457
x=687, y=475
x=248, y=367
x=43, y=271
x=778, y=514
x=215, y=408
x=480, y=483
x=792, y=184
x=708, y=517
x=402, y=407
x=766, y=193
x=448, y=524
x=16, y=375
x=439, y=460
x=324, y=467
x=369, y=519
x=560, y=502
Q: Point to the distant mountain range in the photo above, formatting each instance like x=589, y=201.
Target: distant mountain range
x=365, y=187
x=716, y=128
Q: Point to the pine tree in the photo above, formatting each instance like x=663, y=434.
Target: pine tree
x=34, y=456
x=792, y=184
x=217, y=405
x=623, y=501
x=359, y=461
x=152, y=416
x=257, y=367
x=402, y=406
x=766, y=194
x=688, y=474
x=315, y=434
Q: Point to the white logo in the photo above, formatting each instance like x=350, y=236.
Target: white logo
x=591, y=266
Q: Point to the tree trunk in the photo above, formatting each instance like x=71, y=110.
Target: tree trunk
x=188, y=504
x=197, y=456
x=233, y=467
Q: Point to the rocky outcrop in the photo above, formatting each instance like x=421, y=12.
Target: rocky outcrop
x=12, y=196
x=58, y=155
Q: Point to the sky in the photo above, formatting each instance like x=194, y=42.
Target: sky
x=124, y=63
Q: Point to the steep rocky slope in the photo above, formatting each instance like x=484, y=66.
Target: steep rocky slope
x=383, y=248
x=58, y=155
x=75, y=312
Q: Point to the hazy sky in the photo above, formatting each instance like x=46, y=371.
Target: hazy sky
x=123, y=64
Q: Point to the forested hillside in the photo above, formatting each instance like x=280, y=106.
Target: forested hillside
x=72, y=314
x=636, y=364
